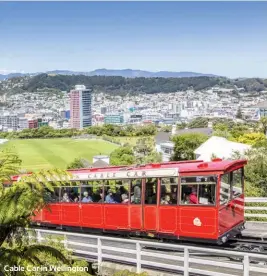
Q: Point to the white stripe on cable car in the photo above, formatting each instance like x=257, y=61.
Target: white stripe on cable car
x=173, y=172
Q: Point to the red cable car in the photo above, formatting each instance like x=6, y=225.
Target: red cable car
x=191, y=200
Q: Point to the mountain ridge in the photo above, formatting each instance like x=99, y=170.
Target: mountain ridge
x=126, y=73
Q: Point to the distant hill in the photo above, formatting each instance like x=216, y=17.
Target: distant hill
x=12, y=75
x=126, y=73
x=130, y=73
x=119, y=85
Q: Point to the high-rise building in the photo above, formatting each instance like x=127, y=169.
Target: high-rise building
x=80, y=107
x=9, y=121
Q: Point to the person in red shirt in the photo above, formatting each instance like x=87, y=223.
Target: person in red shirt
x=193, y=197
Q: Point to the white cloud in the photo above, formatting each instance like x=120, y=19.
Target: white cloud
x=5, y=72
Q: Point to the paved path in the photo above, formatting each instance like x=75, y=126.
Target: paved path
x=255, y=230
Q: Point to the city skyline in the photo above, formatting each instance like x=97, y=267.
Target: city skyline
x=221, y=38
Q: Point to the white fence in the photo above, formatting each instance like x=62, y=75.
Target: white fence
x=256, y=208
x=178, y=259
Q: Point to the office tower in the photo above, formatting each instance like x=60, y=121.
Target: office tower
x=80, y=107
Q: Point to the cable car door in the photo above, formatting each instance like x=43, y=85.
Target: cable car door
x=150, y=212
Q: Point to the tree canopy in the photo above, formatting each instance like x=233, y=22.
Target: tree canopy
x=18, y=204
x=186, y=144
x=143, y=152
x=117, y=85
x=122, y=156
x=106, y=130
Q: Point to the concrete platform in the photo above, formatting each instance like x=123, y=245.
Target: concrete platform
x=255, y=230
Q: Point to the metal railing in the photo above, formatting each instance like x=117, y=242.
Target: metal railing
x=256, y=208
x=144, y=255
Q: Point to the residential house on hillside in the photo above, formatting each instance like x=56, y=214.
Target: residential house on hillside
x=166, y=147
x=219, y=147
x=262, y=109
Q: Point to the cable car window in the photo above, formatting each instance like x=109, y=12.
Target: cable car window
x=151, y=191
x=52, y=196
x=168, y=191
x=92, y=192
x=200, y=190
x=110, y=191
x=136, y=191
x=237, y=182
x=225, y=190
x=117, y=191
x=70, y=194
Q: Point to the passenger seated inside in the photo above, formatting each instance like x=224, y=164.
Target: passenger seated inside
x=124, y=198
x=166, y=200
x=110, y=197
x=76, y=199
x=117, y=195
x=102, y=198
x=86, y=198
x=193, y=196
x=186, y=199
x=96, y=197
x=151, y=196
x=137, y=193
x=65, y=198
x=174, y=198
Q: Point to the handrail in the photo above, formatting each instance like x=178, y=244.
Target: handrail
x=101, y=248
x=255, y=208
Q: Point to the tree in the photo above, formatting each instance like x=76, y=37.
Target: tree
x=221, y=133
x=185, y=144
x=263, y=125
x=199, y=123
x=239, y=114
x=18, y=204
x=181, y=126
x=50, y=262
x=238, y=130
x=166, y=128
x=122, y=156
x=255, y=171
x=220, y=127
x=252, y=138
x=153, y=157
x=78, y=163
x=144, y=147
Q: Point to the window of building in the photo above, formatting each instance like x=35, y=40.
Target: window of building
x=166, y=150
x=168, y=191
x=151, y=191
x=198, y=190
x=136, y=191
x=225, y=191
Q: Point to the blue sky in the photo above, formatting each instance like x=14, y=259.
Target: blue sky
x=224, y=38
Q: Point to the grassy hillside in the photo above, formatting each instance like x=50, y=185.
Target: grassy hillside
x=48, y=153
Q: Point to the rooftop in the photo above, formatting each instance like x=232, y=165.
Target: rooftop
x=260, y=105
x=220, y=147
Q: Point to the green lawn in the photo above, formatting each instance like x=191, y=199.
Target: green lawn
x=48, y=153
